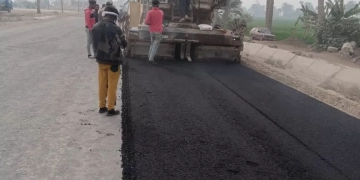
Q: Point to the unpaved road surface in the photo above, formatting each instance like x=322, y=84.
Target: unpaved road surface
x=49, y=125
x=221, y=121
x=26, y=16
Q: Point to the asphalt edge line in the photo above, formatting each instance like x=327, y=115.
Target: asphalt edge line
x=331, y=98
x=127, y=147
x=278, y=125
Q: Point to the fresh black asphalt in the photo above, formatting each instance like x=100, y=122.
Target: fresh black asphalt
x=213, y=121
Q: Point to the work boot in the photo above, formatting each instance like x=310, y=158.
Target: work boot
x=103, y=110
x=89, y=56
x=152, y=62
x=113, y=112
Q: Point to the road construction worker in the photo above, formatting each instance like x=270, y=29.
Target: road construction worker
x=89, y=23
x=123, y=16
x=154, y=19
x=108, y=40
x=108, y=3
x=184, y=9
x=96, y=13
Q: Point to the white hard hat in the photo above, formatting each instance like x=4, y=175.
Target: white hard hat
x=109, y=2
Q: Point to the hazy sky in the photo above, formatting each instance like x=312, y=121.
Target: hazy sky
x=278, y=3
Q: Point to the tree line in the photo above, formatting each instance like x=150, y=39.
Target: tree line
x=288, y=10
x=333, y=22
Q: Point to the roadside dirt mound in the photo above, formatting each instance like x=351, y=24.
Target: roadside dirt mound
x=294, y=42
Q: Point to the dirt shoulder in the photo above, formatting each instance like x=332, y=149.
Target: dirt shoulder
x=27, y=16
x=330, y=80
x=293, y=45
x=50, y=126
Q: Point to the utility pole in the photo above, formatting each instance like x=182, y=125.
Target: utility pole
x=62, y=6
x=269, y=13
x=321, y=20
x=38, y=7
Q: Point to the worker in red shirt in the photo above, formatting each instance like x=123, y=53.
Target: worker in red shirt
x=89, y=24
x=154, y=19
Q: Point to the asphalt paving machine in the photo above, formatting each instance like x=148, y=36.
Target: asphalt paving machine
x=186, y=40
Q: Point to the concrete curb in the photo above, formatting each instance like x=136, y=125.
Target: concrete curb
x=340, y=81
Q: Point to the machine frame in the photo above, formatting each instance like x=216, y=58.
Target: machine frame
x=182, y=41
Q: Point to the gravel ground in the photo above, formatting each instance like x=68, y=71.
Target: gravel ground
x=221, y=121
x=49, y=123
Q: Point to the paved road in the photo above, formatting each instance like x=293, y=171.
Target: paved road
x=222, y=121
x=49, y=126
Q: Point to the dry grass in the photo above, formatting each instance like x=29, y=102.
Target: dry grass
x=29, y=14
x=277, y=63
x=352, y=93
x=10, y=17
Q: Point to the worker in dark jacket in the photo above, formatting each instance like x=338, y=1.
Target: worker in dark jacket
x=95, y=13
x=108, y=39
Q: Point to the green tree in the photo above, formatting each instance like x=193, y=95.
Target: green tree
x=232, y=7
x=332, y=10
x=234, y=17
x=333, y=24
x=287, y=9
x=257, y=10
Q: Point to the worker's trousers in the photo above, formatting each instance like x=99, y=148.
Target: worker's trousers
x=155, y=41
x=89, y=40
x=108, y=81
x=184, y=7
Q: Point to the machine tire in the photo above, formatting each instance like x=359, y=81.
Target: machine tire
x=177, y=55
x=193, y=49
x=237, y=60
x=128, y=52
